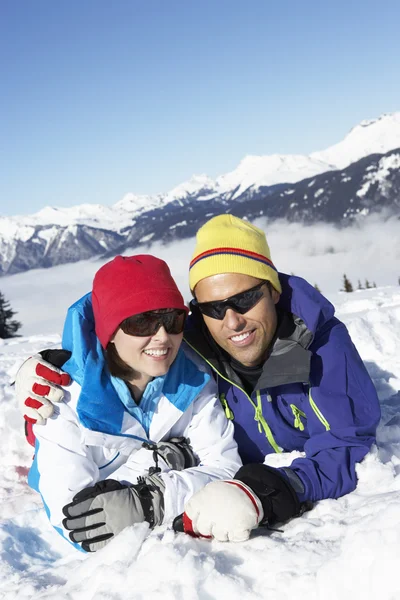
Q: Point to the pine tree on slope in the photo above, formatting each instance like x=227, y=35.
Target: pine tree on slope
x=8, y=327
x=347, y=285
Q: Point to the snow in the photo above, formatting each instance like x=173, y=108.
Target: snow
x=341, y=550
x=386, y=164
x=93, y=215
x=146, y=238
x=195, y=185
x=375, y=136
x=180, y=224
x=48, y=233
x=134, y=204
x=10, y=229
x=257, y=171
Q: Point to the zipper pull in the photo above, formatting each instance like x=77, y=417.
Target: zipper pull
x=258, y=416
x=298, y=424
x=228, y=412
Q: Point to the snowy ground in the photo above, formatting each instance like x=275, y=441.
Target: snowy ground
x=342, y=549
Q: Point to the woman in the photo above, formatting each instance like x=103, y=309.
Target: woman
x=117, y=452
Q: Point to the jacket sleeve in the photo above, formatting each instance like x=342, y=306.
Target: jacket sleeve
x=342, y=411
x=62, y=465
x=211, y=437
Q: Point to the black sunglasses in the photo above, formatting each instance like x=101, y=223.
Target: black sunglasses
x=240, y=303
x=148, y=323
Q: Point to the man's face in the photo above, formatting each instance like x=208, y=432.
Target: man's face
x=245, y=337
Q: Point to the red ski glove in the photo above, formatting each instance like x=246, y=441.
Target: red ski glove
x=37, y=388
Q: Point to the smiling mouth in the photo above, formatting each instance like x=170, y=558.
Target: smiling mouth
x=156, y=353
x=243, y=339
x=240, y=337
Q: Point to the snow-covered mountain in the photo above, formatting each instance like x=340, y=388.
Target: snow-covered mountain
x=359, y=175
x=374, y=136
x=254, y=172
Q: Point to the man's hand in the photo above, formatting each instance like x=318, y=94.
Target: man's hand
x=37, y=388
x=101, y=511
x=229, y=510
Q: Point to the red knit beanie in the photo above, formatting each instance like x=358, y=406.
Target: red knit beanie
x=129, y=285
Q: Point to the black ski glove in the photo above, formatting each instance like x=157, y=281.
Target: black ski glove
x=100, y=512
x=277, y=496
x=176, y=453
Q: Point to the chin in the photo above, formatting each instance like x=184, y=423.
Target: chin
x=250, y=358
x=160, y=371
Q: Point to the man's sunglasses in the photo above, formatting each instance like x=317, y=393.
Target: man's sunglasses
x=240, y=303
x=148, y=323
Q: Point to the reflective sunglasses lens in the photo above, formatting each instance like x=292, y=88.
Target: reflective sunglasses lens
x=140, y=325
x=173, y=322
x=240, y=303
x=247, y=300
x=215, y=310
x=148, y=323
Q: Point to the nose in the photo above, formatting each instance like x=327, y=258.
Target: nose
x=160, y=335
x=233, y=320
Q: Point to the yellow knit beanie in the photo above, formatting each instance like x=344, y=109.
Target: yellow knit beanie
x=227, y=244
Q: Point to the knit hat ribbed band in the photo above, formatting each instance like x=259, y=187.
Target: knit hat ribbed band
x=227, y=244
x=129, y=285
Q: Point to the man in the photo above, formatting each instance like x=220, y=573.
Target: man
x=288, y=376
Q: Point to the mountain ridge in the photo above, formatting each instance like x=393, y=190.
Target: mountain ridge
x=294, y=187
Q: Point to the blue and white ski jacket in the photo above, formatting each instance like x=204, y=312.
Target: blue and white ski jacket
x=98, y=431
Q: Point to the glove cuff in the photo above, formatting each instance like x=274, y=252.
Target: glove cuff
x=277, y=496
x=56, y=356
x=258, y=507
x=150, y=491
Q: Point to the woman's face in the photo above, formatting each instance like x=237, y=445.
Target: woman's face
x=149, y=356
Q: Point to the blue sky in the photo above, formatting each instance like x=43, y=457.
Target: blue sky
x=100, y=98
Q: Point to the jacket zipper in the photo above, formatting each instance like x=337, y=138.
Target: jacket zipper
x=258, y=415
x=297, y=413
x=318, y=412
x=262, y=423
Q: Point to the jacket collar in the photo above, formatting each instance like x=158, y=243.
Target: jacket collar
x=303, y=311
x=101, y=407
x=288, y=361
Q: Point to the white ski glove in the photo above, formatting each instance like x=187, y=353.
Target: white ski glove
x=224, y=510
x=37, y=388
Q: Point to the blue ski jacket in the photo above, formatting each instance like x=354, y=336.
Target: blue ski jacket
x=314, y=394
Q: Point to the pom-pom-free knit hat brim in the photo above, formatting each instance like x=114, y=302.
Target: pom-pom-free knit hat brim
x=129, y=285
x=227, y=244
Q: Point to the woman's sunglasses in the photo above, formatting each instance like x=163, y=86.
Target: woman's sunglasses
x=148, y=323
x=240, y=303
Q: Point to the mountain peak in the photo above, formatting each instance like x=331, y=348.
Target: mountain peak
x=385, y=117
x=194, y=185
x=133, y=203
x=371, y=136
x=256, y=171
